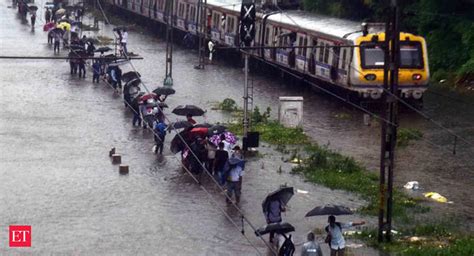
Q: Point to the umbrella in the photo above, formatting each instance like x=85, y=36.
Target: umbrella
x=205, y=125
x=103, y=49
x=279, y=228
x=177, y=144
x=32, y=7
x=216, y=129
x=149, y=96
x=64, y=25
x=329, y=209
x=183, y=110
x=48, y=26
x=57, y=30
x=180, y=125
x=282, y=194
x=128, y=76
x=162, y=105
x=164, y=91
x=229, y=137
x=133, y=82
x=199, y=131
x=60, y=12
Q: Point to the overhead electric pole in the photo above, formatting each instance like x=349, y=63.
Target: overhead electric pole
x=389, y=122
x=169, y=44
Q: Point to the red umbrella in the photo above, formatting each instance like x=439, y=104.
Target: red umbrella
x=200, y=131
x=149, y=96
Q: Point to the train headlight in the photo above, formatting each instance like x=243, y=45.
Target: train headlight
x=370, y=77
x=416, y=77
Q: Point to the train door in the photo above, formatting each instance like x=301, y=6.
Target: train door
x=231, y=30
x=323, y=59
x=180, y=19
x=336, y=55
x=268, y=41
x=215, y=26
x=286, y=38
x=256, y=41
x=311, y=55
x=161, y=10
x=301, y=53
x=192, y=19
x=344, y=65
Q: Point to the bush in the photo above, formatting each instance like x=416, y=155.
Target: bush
x=228, y=105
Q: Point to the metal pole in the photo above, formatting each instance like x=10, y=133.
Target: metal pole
x=395, y=55
x=200, y=32
x=169, y=45
x=246, y=96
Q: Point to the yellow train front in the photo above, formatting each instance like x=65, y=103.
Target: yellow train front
x=367, y=73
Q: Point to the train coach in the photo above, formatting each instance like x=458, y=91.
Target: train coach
x=346, y=56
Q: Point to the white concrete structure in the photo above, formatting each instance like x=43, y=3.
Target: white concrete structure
x=290, y=111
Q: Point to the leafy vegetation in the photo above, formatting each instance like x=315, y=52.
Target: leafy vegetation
x=439, y=237
x=448, y=27
x=405, y=135
x=228, y=105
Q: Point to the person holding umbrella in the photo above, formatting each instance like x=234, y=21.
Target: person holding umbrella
x=273, y=214
x=335, y=239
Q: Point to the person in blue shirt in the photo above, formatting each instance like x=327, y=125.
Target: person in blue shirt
x=159, y=134
x=97, y=70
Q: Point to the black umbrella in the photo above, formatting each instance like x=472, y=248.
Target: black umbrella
x=133, y=82
x=164, y=90
x=103, y=49
x=183, y=110
x=128, y=76
x=162, y=105
x=279, y=228
x=329, y=209
x=204, y=125
x=92, y=40
x=282, y=194
x=180, y=125
x=177, y=143
x=56, y=30
x=216, y=129
x=32, y=7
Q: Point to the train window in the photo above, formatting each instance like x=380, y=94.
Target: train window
x=372, y=55
x=321, y=52
x=410, y=55
x=215, y=20
x=305, y=43
x=326, y=54
x=267, y=35
x=343, y=60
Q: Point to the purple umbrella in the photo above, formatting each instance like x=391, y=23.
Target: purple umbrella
x=229, y=137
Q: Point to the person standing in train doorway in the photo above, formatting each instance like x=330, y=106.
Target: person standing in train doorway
x=124, y=41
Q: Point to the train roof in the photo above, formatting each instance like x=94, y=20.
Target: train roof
x=318, y=23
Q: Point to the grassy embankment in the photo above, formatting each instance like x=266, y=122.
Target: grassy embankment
x=319, y=164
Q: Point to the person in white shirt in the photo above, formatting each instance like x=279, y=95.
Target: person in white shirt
x=234, y=179
x=334, y=230
x=124, y=41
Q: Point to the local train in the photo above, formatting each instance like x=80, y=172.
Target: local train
x=358, y=68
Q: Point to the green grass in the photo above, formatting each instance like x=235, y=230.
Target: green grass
x=405, y=135
x=438, y=237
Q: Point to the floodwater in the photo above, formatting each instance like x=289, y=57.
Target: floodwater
x=55, y=173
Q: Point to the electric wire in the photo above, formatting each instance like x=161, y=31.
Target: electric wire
x=204, y=170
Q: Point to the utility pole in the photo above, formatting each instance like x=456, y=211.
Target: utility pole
x=169, y=44
x=390, y=114
x=246, y=121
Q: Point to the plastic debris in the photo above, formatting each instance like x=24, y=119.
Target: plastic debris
x=412, y=185
x=437, y=197
x=301, y=191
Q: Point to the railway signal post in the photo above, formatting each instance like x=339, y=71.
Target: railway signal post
x=389, y=122
x=247, y=35
x=169, y=44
